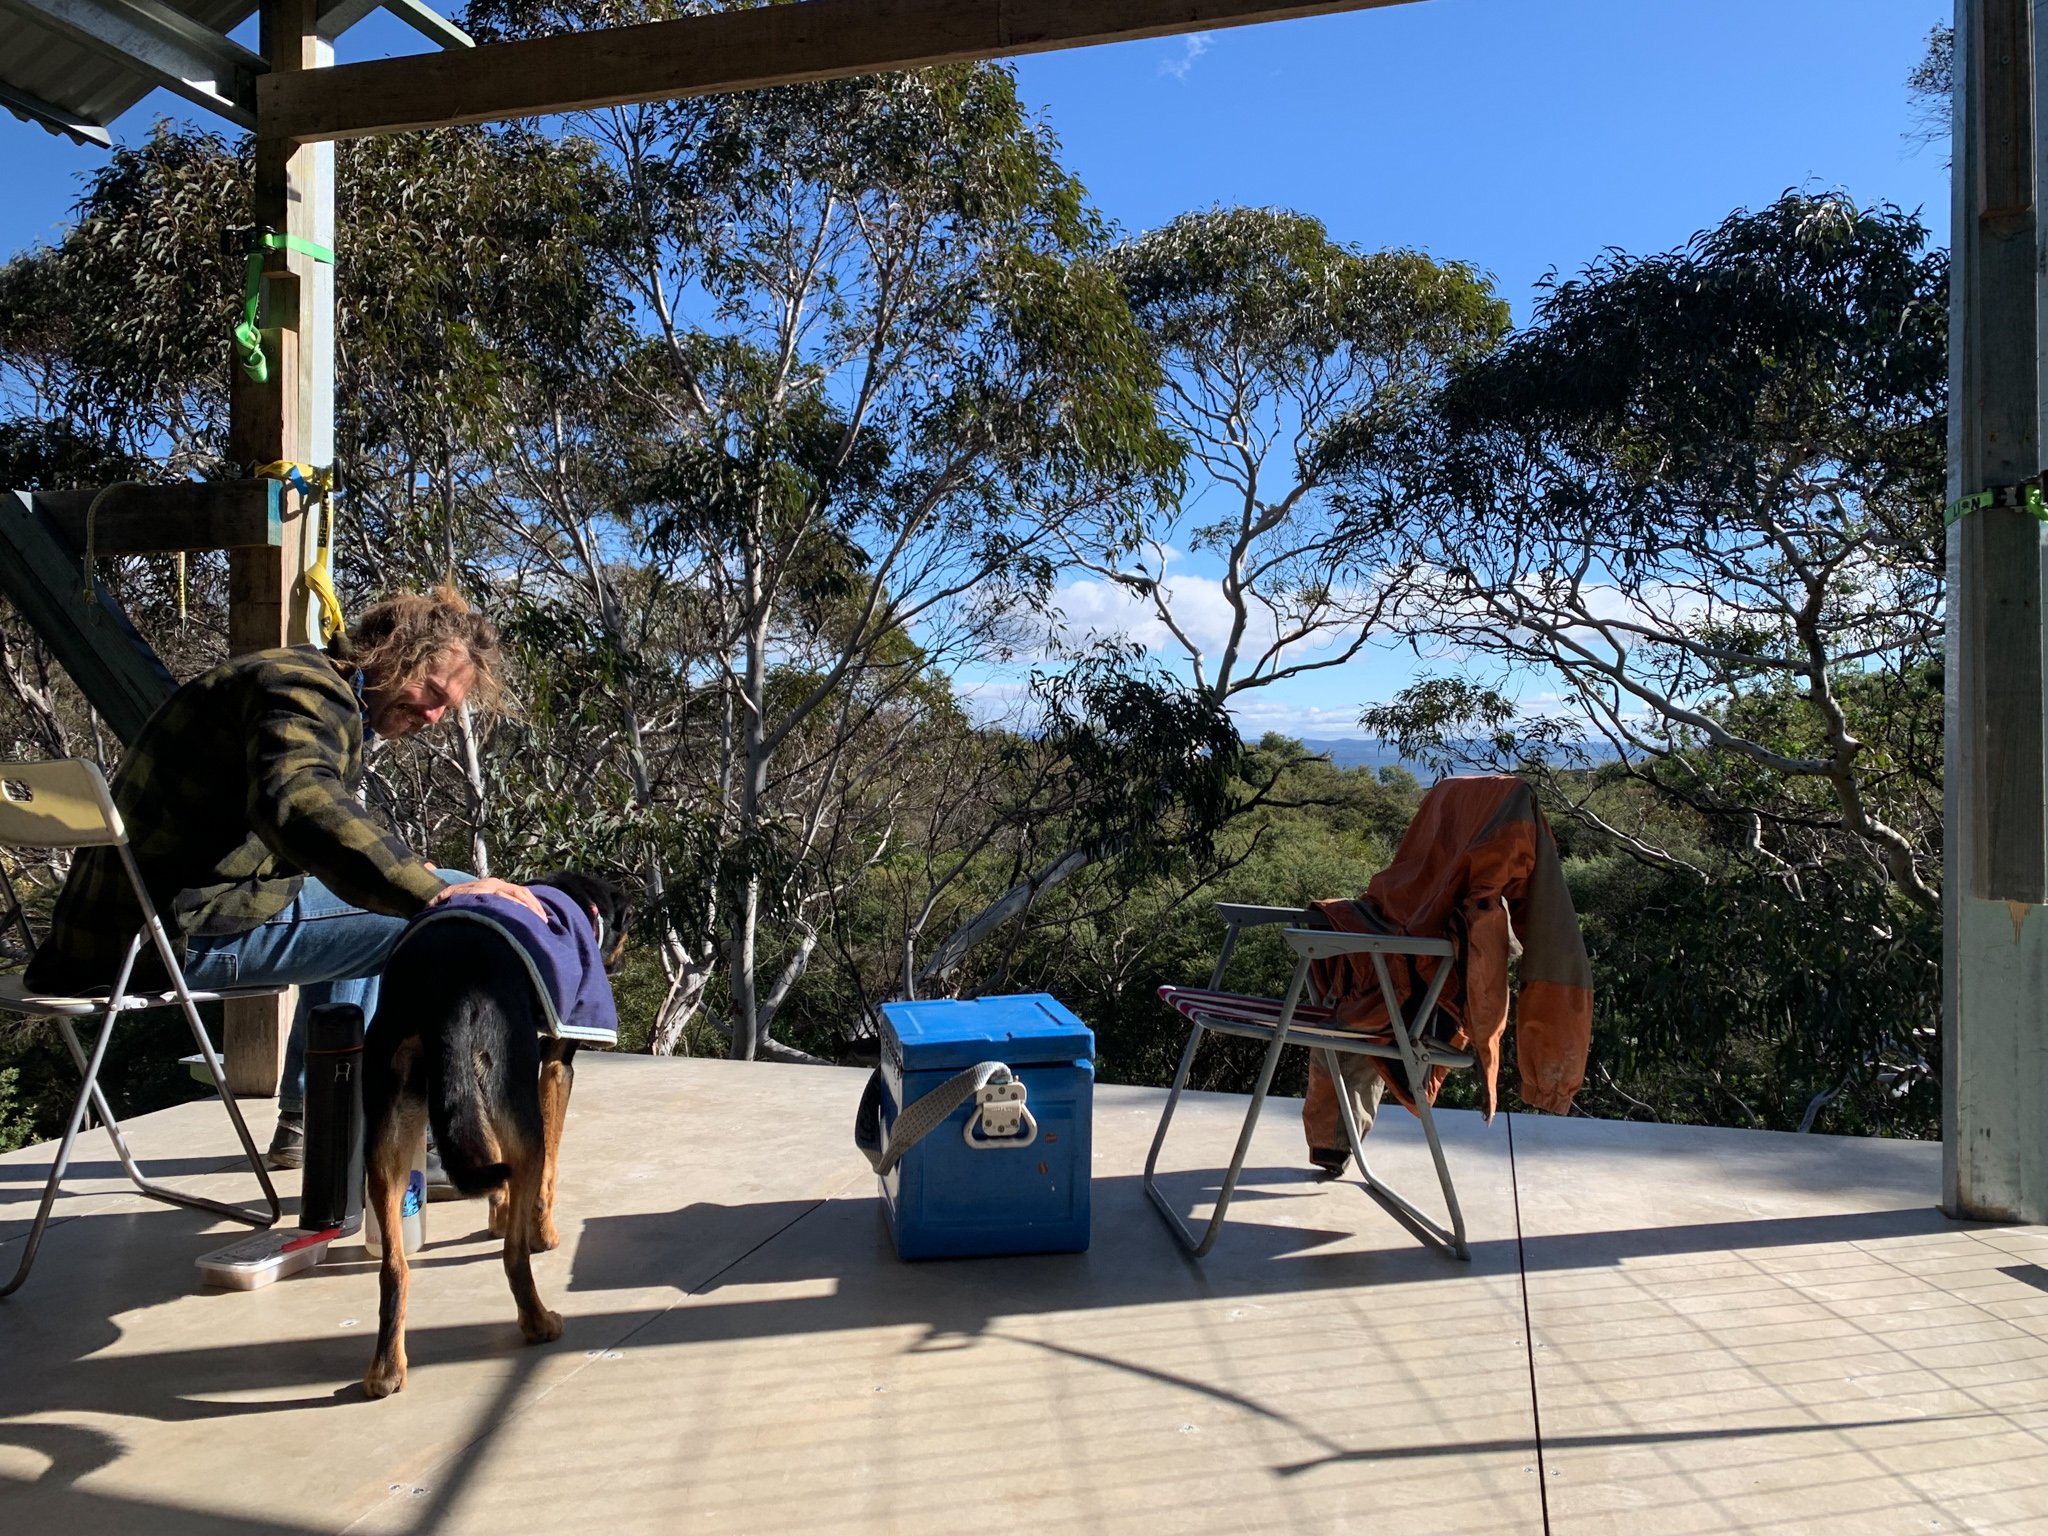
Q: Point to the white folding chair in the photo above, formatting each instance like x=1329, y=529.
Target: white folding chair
x=65, y=804
x=1297, y=1019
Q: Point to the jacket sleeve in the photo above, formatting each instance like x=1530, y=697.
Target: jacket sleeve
x=300, y=804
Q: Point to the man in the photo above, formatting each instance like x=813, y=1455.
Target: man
x=240, y=800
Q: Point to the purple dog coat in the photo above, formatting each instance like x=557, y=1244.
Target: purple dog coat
x=562, y=957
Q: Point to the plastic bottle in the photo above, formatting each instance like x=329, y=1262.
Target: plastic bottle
x=412, y=1206
x=331, y=1186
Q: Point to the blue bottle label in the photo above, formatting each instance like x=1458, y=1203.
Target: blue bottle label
x=415, y=1194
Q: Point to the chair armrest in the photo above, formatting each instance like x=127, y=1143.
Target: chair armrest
x=1323, y=944
x=1239, y=915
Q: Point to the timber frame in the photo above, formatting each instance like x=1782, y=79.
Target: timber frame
x=737, y=50
x=1995, y=848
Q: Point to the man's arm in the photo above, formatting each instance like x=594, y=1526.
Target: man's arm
x=300, y=804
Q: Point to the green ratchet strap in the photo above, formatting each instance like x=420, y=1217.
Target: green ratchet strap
x=248, y=339
x=2025, y=498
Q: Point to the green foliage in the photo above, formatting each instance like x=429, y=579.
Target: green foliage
x=141, y=1073
x=1702, y=493
x=1266, y=291
x=1658, y=389
x=1931, y=89
x=467, y=259
x=1150, y=761
x=58, y=454
x=1749, y=1000
x=17, y=1128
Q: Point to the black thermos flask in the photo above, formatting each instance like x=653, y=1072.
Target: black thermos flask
x=331, y=1185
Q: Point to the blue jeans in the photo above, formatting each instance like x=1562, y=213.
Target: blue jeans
x=332, y=952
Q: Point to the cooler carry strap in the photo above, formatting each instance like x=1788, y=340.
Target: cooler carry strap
x=1003, y=1121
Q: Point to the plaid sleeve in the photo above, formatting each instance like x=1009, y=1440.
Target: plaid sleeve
x=299, y=803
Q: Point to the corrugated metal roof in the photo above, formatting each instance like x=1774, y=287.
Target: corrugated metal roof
x=49, y=79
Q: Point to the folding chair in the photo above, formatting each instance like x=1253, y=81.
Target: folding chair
x=1292, y=1020
x=65, y=804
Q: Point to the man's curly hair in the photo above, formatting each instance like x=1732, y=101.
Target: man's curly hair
x=398, y=638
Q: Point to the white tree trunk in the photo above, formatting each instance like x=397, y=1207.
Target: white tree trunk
x=1012, y=903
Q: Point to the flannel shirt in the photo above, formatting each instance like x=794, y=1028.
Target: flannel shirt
x=241, y=785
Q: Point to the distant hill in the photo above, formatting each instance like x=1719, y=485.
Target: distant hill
x=1358, y=752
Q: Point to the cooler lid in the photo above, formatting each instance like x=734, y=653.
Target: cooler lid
x=1031, y=1030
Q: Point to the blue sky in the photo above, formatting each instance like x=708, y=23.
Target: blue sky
x=1519, y=135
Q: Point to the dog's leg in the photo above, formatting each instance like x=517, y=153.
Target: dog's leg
x=557, y=1078
x=389, y=1167
x=522, y=1197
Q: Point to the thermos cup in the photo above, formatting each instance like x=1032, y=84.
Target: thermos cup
x=331, y=1184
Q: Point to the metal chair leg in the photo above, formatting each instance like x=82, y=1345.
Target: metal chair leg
x=253, y=1157
x=90, y=1094
x=1452, y=1239
x=164, y=1192
x=87, y=1091
x=1406, y=1037
x=176, y=972
x=1198, y=1246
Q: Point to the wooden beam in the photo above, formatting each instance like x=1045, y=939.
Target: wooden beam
x=1995, y=843
x=289, y=417
x=777, y=44
x=164, y=519
x=261, y=579
x=2002, y=40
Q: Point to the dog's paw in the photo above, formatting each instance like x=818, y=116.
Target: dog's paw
x=545, y=1238
x=384, y=1380
x=543, y=1328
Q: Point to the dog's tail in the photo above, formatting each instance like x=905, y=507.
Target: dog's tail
x=455, y=1108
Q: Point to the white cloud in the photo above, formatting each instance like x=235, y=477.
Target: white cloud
x=1193, y=46
x=1090, y=606
x=1255, y=715
x=994, y=701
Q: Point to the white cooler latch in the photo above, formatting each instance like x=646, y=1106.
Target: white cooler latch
x=1000, y=1115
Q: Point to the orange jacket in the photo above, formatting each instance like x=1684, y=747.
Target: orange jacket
x=1477, y=866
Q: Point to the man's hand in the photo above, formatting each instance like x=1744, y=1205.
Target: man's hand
x=504, y=888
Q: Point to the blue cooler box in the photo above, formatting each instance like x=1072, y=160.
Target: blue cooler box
x=947, y=1199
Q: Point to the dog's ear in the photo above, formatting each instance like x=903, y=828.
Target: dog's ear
x=604, y=900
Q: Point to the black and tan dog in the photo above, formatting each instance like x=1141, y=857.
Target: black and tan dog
x=460, y=1041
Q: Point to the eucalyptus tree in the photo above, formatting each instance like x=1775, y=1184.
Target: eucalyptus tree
x=472, y=297
x=1931, y=89
x=1287, y=364
x=883, y=373
x=114, y=337
x=1287, y=361
x=1700, y=500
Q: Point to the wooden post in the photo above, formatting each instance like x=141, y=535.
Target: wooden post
x=1995, y=927
x=290, y=417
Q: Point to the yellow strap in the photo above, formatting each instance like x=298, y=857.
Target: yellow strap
x=320, y=582
x=316, y=490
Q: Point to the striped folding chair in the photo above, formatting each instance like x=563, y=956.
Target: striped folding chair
x=65, y=804
x=1298, y=1019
